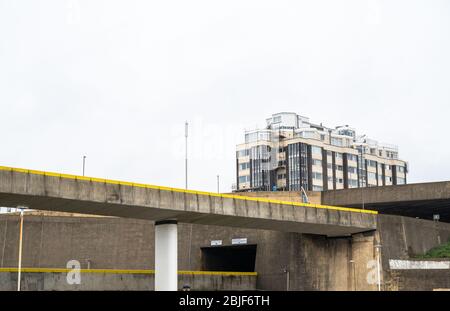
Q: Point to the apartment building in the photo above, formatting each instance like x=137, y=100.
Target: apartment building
x=292, y=153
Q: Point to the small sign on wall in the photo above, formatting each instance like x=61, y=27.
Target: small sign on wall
x=216, y=242
x=239, y=241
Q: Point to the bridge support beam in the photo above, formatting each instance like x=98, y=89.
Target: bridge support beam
x=166, y=255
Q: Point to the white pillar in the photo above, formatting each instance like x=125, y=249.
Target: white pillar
x=166, y=255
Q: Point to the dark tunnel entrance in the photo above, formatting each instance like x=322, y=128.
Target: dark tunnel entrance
x=238, y=258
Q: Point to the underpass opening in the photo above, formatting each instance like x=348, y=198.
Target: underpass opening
x=235, y=258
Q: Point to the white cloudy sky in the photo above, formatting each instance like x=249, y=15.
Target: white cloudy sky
x=116, y=80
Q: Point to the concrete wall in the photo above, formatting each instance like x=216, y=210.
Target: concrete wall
x=313, y=262
x=404, y=237
x=334, y=264
x=418, y=280
x=50, y=242
x=51, y=281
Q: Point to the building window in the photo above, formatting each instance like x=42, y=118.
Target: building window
x=353, y=183
x=317, y=188
x=336, y=142
x=371, y=163
x=391, y=155
x=317, y=162
x=243, y=153
x=298, y=166
x=318, y=176
x=244, y=166
x=316, y=150
x=351, y=157
x=308, y=134
x=243, y=179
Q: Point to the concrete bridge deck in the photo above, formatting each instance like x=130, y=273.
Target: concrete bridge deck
x=421, y=200
x=78, y=194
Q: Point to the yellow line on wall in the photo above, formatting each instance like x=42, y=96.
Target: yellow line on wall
x=218, y=273
x=212, y=194
x=119, y=271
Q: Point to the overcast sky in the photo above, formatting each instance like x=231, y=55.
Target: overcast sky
x=115, y=80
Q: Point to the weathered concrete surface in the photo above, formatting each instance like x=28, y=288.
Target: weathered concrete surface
x=404, y=237
x=292, y=196
x=385, y=194
x=414, y=200
x=64, y=193
x=314, y=262
x=418, y=280
x=54, y=281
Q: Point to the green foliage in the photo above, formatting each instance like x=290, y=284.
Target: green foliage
x=441, y=251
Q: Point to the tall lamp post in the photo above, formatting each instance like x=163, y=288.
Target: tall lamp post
x=378, y=248
x=19, y=265
x=186, y=134
x=84, y=164
x=218, y=183
x=186, y=130
x=363, y=182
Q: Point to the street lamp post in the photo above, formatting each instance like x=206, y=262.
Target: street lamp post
x=186, y=129
x=352, y=262
x=378, y=248
x=186, y=134
x=362, y=184
x=19, y=265
x=84, y=164
x=218, y=183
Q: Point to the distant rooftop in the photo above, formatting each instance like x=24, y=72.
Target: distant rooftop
x=301, y=125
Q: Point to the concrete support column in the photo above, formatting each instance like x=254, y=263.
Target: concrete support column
x=166, y=255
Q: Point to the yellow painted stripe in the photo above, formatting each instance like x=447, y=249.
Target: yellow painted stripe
x=218, y=273
x=63, y=270
x=194, y=192
x=118, y=271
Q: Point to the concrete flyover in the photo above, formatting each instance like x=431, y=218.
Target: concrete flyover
x=167, y=206
x=421, y=200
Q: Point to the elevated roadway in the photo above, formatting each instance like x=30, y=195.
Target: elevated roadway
x=421, y=200
x=167, y=206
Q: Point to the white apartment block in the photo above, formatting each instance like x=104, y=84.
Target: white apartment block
x=292, y=153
